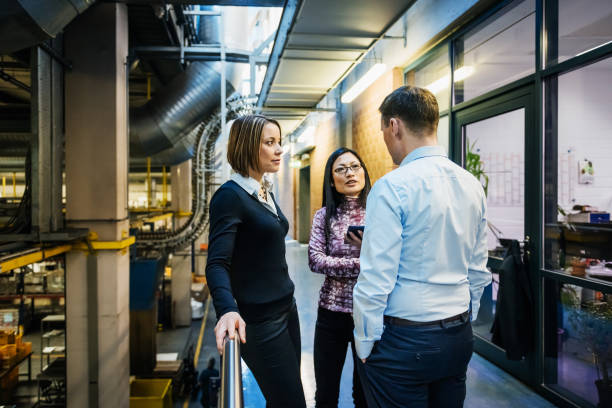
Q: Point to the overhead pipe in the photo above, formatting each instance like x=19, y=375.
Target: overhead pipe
x=164, y=128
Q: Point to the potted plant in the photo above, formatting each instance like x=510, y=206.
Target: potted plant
x=474, y=165
x=592, y=325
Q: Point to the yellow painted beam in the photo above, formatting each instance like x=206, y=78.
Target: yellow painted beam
x=144, y=210
x=33, y=257
x=164, y=187
x=14, y=185
x=107, y=245
x=149, y=184
x=166, y=216
x=184, y=213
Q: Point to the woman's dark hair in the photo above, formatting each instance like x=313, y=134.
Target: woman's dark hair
x=331, y=198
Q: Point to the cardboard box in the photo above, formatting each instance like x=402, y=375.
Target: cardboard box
x=589, y=217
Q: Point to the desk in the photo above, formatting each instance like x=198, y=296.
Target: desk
x=4, y=373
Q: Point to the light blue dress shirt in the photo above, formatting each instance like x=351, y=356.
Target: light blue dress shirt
x=424, y=251
x=252, y=186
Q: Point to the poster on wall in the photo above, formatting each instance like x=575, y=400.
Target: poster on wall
x=585, y=172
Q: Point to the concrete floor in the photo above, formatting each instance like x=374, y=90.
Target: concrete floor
x=487, y=385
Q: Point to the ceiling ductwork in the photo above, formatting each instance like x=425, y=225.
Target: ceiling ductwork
x=174, y=112
x=25, y=23
x=164, y=128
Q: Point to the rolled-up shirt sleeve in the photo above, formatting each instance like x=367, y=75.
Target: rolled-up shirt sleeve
x=224, y=221
x=479, y=276
x=380, y=258
x=319, y=261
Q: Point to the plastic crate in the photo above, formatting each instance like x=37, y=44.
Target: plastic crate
x=151, y=393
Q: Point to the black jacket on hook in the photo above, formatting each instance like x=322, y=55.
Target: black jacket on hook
x=513, y=327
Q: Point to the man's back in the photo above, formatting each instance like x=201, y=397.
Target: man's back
x=442, y=212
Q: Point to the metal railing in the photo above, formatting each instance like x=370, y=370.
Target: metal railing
x=231, y=375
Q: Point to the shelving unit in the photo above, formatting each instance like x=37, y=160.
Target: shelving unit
x=52, y=328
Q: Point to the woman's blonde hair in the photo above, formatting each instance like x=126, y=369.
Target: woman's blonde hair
x=244, y=142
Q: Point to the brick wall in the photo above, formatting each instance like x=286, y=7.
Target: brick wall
x=326, y=141
x=367, y=137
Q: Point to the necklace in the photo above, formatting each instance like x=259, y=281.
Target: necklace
x=263, y=194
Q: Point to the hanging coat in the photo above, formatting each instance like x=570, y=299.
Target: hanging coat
x=513, y=326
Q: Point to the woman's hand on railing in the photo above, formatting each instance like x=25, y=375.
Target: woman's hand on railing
x=227, y=325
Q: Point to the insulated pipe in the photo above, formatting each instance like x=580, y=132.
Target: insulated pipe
x=25, y=23
x=174, y=112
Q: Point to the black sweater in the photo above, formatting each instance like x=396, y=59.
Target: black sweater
x=246, y=270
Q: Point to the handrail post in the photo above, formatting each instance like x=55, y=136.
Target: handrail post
x=231, y=376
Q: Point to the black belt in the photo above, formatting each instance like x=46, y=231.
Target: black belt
x=405, y=322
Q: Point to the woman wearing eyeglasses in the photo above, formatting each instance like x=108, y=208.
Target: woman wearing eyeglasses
x=334, y=252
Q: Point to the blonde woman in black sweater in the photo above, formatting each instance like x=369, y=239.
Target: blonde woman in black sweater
x=246, y=269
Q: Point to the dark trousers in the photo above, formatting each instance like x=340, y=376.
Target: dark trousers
x=333, y=334
x=418, y=367
x=273, y=351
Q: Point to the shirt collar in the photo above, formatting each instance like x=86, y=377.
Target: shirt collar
x=249, y=184
x=425, y=151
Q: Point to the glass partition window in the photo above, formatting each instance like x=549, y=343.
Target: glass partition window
x=576, y=26
x=578, y=172
x=578, y=344
x=497, y=52
x=434, y=74
x=486, y=314
x=443, y=135
x=494, y=153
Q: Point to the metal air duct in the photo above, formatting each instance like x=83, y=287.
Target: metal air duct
x=25, y=23
x=168, y=118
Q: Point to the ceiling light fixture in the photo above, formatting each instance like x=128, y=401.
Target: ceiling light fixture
x=364, y=82
x=307, y=136
x=442, y=83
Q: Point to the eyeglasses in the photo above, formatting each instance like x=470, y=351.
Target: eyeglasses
x=342, y=170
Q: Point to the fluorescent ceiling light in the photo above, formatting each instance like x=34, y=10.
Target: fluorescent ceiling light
x=442, y=83
x=594, y=48
x=358, y=87
x=307, y=136
x=463, y=73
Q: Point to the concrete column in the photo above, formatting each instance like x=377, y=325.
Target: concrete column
x=181, y=261
x=47, y=141
x=97, y=285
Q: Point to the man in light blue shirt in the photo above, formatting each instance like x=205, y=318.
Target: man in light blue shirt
x=423, y=265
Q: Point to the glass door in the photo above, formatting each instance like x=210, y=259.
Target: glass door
x=492, y=141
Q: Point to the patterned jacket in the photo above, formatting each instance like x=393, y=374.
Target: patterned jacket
x=338, y=261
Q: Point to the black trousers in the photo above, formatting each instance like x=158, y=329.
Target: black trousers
x=418, y=367
x=273, y=351
x=333, y=334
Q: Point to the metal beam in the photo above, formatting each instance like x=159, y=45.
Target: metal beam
x=293, y=109
x=198, y=53
x=288, y=18
x=240, y=3
x=6, y=77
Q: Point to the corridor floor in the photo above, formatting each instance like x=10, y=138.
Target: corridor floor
x=487, y=385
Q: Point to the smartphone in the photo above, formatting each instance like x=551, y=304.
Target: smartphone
x=353, y=229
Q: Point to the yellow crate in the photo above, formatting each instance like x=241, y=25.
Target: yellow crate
x=8, y=350
x=151, y=393
x=24, y=348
